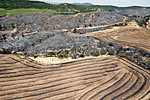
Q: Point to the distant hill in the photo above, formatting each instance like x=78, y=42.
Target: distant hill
x=64, y=8
x=18, y=4
x=83, y=4
x=110, y=7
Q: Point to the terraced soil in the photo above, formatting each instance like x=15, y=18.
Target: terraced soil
x=101, y=78
x=130, y=35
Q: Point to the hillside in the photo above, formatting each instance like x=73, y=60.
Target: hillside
x=28, y=23
x=26, y=4
x=15, y=7
x=55, y=52
x=134, y=11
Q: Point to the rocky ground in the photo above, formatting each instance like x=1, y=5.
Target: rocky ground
x=137, y=14
x=62, y=45
x=45, y=22
x=45, y=38
x=119, y=70
x=134, y=11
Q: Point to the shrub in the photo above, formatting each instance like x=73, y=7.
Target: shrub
x=96, y=54
x=111, y=52
x=62, y=55
x=124, y=55
x=6, y=51
x=139, y=24
x=81, y=55
x=66, y=51
x=35, y=56
x=51, y=54
x=74, y=30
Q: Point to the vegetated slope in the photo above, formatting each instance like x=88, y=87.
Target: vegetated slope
x=39, y=22
x=17, y=4
x=102, y=78
x=4, y=12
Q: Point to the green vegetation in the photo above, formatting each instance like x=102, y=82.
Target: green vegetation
x=147, y=17
x=51, y=54
x=111, y=52
x=62, y=55
x=13, y=7
x=82, y=55
x=124, y=55
x=139, y=24
x=4, y=12
x=57, y=54
x=96, y=54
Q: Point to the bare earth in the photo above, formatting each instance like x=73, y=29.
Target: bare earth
x=131, y=35
x=101, y=78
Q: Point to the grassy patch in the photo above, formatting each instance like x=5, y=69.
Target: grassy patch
x=29, y=11
x=3, y=12
x=12, y=12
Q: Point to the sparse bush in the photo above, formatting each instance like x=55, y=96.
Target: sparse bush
x=111, y=52
x=62, y=55
x=81, y=55
x=139, y=24
x=35, y=56
x=74, y=30
x=96, y=54
x=66, y=51
x=124, y=55
x=51, y=54
x=90, y=25
x=6, y=51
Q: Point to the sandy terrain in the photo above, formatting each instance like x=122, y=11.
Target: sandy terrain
x=55, y=60
x=101, y=78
